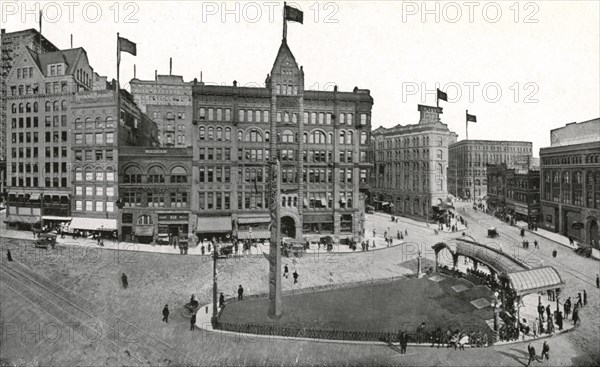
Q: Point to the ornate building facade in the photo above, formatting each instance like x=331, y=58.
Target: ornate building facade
x=570, y=188
x=323, y=141
x=467, y=174
x=514, y=192
x=410, y=163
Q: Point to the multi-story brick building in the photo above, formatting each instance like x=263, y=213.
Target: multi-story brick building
x=410, y=163
x=12, y=44
x=168, y=101
x=97, y=140
x=514, y=192
x=155, y=189
x=467, y=175
x=570, y=188
x=323, y=140
x=63, y=135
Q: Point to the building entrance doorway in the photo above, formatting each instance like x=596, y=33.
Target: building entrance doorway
x=288, y=227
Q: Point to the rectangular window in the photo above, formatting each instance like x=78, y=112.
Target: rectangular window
x=109, y=138
x=78, y=205
x=110, y=206
x=99, y=191
x=99, y=138
x=110, y=191
x=88, y=206
x=99, y=206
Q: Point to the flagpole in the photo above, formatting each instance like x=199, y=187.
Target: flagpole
x=284, y=22
x=437, y=104
x=118, y=82
x=467, y=124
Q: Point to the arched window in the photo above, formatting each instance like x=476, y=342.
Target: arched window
x=577, y=178
x=156, y=175
x=132, y=175
x=89, y=174
x=48, y=106
x=110, y=174
x=342, y=137
x=78, y=174
x=317, y=137
x=227, y=134
x=14, y=108
x=288, y=136
x=99, y=174
x=566, y=177
x=89, y=124
x=330, y=138
x=210, y=135
x=219, y=135
x=78, y=124
x=144, y=220
x=286, y=117
x=63, y=105
x=178, y=175
x=477, y=183
x=350, y=137
x=440, y=154
x=305, y=138
x=240, y=135
x=35, y=107
x=254, y=135
x=21, y=108
x=55, y=106
x=28, y=107
x=99, y=123
x=363, y=137
x=109, y=122
x=202, y=133
x=267, y=136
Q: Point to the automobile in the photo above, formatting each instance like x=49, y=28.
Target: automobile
x=313, y=243
x=583, y=251
x=492, y=232
x=326, y=240
x=45, y=240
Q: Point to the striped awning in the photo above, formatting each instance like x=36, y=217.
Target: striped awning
x=213, y=225
x=254, y=235
x=535, y=280
x=254, y=219
x=93, y=224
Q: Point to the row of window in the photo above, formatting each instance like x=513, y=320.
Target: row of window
x=312, y=118
x=407, y=142
x=567, y=176
x=94, y=155
x=214, y=201
x=287, y=136
x=572, y=159
x=34, y=182
x=154, y=199
x=574, y=197
x=94, y=206
x=155, y=174
x=94, y=191
x=98, y=174
x=49, y=121
x=94, y=138
x=98, y=123
x=50, y=152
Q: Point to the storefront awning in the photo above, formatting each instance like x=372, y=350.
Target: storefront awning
x=35, y=196
x=144, y=231
x=54, y=217
x=94, y=224
x=213, y=225
x=317, y=218
x=254, y=219
x=25, y=219
x=254, y=235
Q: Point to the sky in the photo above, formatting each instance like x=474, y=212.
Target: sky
x=523, y=68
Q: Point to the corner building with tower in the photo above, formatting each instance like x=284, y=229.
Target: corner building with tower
x=322, y=145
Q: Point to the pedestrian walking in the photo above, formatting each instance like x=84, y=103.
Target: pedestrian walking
x=545, y=351
x=285, y=271
x=193, y=322
x=295, y=275
x=584, y=297
x=240, y=293
x=403, y=342
x=535, y=327
x=406, y=232
x=124, y=281
x=221, y=300
x=9, y=256
x=597, y=281
x=165, y=313
x=531, y=351
x=548, y=311
x=578, y=303
x=575, y=316
x=535, y=244
x=554, y=253
x=202, y=249
x=559, y=320
x=567, y=307
x=541, y=311
x=398, y=236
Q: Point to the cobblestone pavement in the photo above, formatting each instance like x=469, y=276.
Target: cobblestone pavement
x=155, y=279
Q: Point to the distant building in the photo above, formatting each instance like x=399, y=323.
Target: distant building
x=323, y=139
x=410, y=163
x=467, y=175
x=12, y=44
x=168, y=101
x=570, y=170
x=155, y=191
x=513, y=192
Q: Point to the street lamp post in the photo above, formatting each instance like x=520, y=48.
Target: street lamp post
x=496, y=303
x=213, y=319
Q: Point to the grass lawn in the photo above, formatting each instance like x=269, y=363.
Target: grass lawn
x=388, y=307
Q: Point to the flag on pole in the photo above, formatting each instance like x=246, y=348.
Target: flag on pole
x=471, y=118
x=293, y=14
x=442, y=95
x=126, y=45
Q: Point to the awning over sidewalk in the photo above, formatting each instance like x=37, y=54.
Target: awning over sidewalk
x=254, y=235
x=35, y=196
x=535, y=280
x=213, y=225
x=25, y=219
x=316, y=218
x=54, y=217
x=144, y=231
x=254, y=219
x=93, y=224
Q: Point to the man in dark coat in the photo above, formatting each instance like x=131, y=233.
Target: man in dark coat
x=541, y=311
x=584, y=297
x=559, y=320
x=548, y=311
x=165, y=313
x=124, y=281
x=567, y=307
x=9, y=256
x=193, y=322
x=240, y=293
x=531, y=351
x=546, y=351
x=575, y=317
x=403, y=342
x=597, y=281
x=221, y=300
x=286, y=271
x=295, y=275
x=578, y=303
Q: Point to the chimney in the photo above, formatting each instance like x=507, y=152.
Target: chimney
x=200, y=77
x=134, y=77
x=235, y=83
x=71, y=40
x=155, y=75
x=170, y=65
